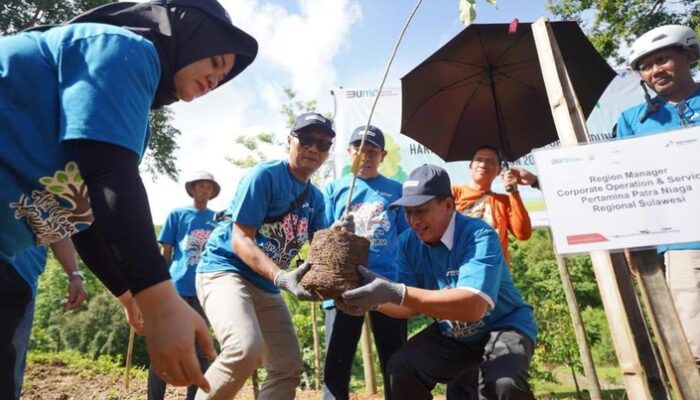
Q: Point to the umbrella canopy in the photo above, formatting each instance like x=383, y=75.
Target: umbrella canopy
x=485, y=87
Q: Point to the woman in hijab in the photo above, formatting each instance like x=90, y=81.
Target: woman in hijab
x=74, y=105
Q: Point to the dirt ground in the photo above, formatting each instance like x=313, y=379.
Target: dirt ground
x=58, y=382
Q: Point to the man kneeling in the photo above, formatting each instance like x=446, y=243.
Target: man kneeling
x=451, y=268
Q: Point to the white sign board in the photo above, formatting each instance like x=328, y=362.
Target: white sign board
x=637, y=192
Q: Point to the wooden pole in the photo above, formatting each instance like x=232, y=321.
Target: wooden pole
x=579, y=329
x=367, y=358
x=680, y=364
x=640, y=332
x=317, y=351
x=129, y=351
x=571, y=128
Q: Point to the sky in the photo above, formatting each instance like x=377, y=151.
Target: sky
x=312, y=47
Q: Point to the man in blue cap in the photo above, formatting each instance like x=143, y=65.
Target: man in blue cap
x=275, y=211
x=451, y=268
x=373, y=219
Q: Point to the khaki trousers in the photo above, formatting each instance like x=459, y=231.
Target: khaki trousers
x=253, y=327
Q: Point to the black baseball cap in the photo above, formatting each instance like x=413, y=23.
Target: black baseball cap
x=374, y=135
x=313, y=120
x=424, y=184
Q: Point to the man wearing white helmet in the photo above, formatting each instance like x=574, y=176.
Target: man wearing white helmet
x=663, y=58
x=182, y=239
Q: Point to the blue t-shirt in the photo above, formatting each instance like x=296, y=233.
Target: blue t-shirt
x=668, y=117
x=80, y=81
x=474, y=263
x=31, y=263
x=187, y=230
x=373, y=218
x=266, y=191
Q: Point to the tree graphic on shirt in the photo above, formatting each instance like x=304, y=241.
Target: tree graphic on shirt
x=60, y=210
x=194, y=245
x=370, y=217
x=283, y=242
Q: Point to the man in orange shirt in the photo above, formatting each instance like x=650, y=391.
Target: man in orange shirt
x=504, y=212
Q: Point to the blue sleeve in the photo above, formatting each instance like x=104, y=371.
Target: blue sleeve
x=254, y=195
x=106, y=86
x=407, y=273
x=483, y=264
x=329, y=205
x=168, y=234
x=318, y=219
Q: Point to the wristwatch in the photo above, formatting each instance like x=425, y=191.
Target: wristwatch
x=77, y=273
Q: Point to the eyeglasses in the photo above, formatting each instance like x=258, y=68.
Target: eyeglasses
x=307, y=141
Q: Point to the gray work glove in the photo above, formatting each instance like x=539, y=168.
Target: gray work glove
x=350, y=310
x=290, y=281
x=377, y=290
x=345, y=223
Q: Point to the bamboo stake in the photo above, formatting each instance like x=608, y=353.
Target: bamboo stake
x=356, y=163
x=579, y=329
x=680, y=365
x=129, y=351
x=367, y=358
x=317, y=350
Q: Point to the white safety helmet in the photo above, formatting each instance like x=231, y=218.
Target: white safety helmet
x=663, y=36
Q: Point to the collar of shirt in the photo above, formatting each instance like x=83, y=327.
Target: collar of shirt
x=448, y=237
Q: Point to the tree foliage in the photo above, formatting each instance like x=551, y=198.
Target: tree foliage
x=467, y=10
x=16, y=15
x=612, y=25
x=536, y=274
x=160, y=155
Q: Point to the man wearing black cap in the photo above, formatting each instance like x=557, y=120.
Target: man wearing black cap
x=275, y=210
x=372, y=218
x=182, y=241
x=451, y=268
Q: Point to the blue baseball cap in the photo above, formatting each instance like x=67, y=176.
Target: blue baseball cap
x=313, y=120
x=374, y=135
x=424, y=184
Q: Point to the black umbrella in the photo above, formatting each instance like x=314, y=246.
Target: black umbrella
x=485, y=87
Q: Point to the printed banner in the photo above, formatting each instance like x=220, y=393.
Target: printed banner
x=404, y=154
x=636, y=192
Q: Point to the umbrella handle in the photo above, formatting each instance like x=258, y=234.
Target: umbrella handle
x=505, y=167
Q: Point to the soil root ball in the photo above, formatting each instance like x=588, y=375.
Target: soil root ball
x=334, y=257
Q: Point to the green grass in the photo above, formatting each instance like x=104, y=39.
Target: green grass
x=83, y=365
x=565, y=388
x=86, y=367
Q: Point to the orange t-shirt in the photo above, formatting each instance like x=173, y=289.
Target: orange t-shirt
x=503, y=212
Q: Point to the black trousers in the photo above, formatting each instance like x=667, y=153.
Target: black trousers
x=15, y=296
x=342, y=334
x=429, y=357
x=156, y=386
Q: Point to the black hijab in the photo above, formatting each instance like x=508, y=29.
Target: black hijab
x=183, y=31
